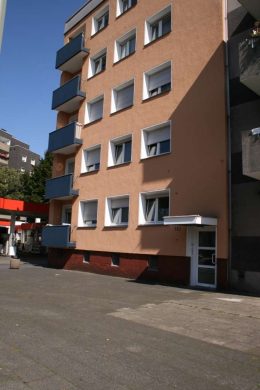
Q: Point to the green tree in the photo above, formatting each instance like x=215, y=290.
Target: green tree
x=34, y=184
x=11, y=183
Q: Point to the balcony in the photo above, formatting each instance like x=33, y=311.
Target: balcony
x=68, y=97
x=57, y=236
x=252, y=6
x=251, y=153
x=4, y=147
x=249, y=62
x=4, y=159
x=60, y=188
x=69, y=57
x=66, y=139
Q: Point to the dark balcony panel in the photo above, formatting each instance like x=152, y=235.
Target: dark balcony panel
x=66, y=139
x=251, y=153
x=57, y=237
x=249, y=62
x=252, y=6
x=69, y=57
x=60, y=187
x=67, y=98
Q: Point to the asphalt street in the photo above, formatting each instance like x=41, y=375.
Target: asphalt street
x=68, y=330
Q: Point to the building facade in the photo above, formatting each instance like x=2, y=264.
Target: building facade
x=244, y=87
x=16, y=154
x=140, y=172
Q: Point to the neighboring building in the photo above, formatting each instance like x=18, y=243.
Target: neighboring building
x=244, y=60
x=16, y=154
x=141, y=135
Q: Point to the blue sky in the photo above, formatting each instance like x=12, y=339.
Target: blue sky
x=33, y=33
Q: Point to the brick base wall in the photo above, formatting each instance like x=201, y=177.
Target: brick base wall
x=170, y=269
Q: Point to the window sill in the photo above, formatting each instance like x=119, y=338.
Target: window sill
x=121, y=110
x=93, y=122
x=86, y=227
x=82, y=174
x=156, y=155
x=122, y=59
x=114, y=227
x=149, y=98
x=99, y=31
x=156, y=40
x=151, y=224
x=95, y=75
x=119, y=165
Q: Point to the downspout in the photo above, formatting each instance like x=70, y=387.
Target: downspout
x=225, y=34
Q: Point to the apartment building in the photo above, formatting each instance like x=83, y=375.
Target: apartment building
x=140, y=173
x=16, y=154
x=244, y=87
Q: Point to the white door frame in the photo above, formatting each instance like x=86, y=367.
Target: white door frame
x=192, y=252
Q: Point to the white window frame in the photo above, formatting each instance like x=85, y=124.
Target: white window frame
x=143, y=196
x=33, y=162
x=125, y=39
x=112, y=149
x=119, y=7
x=109, y=214
x=89, y=105
x=65, y=208
x=84, y=163
x=151, y=72
x=154, y=19
x=114, y=95
x=82, y=205
x=96, y=18
x=24, y=159
x=144, y=135
x=92, y=62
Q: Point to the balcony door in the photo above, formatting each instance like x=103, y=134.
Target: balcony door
x=70, y=165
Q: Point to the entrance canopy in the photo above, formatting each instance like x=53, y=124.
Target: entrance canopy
x=190, y=220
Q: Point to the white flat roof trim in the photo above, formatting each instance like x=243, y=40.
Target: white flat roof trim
x=81, y=13
x=190, y=220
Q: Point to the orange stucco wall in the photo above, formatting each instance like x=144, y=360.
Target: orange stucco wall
x=195, y=171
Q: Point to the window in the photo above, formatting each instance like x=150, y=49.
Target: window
x=125, y=46
x=24, y=158
x=122, y=96
x=97, y=63
x=91, y=159
x=22, y=170
x=124, y=5
x=66, y=214
x=100, y=20
x=32, y=162
x=94, y=110
x=117, y=210
x=88, y=213
x=153, y=263
x=153, y=207
x=115, y=260
x=157, y=81
x=156, y=140
x=120, y=150
x=158, y=25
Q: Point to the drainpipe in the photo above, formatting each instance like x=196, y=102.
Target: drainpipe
x=225, y=33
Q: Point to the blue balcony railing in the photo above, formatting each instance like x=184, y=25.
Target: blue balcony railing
x=69, y=57
x=68, y=97
x=60, y=187
x=57, y=236
x=66, y=139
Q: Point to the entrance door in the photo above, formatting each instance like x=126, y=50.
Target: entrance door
x=203, y=261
